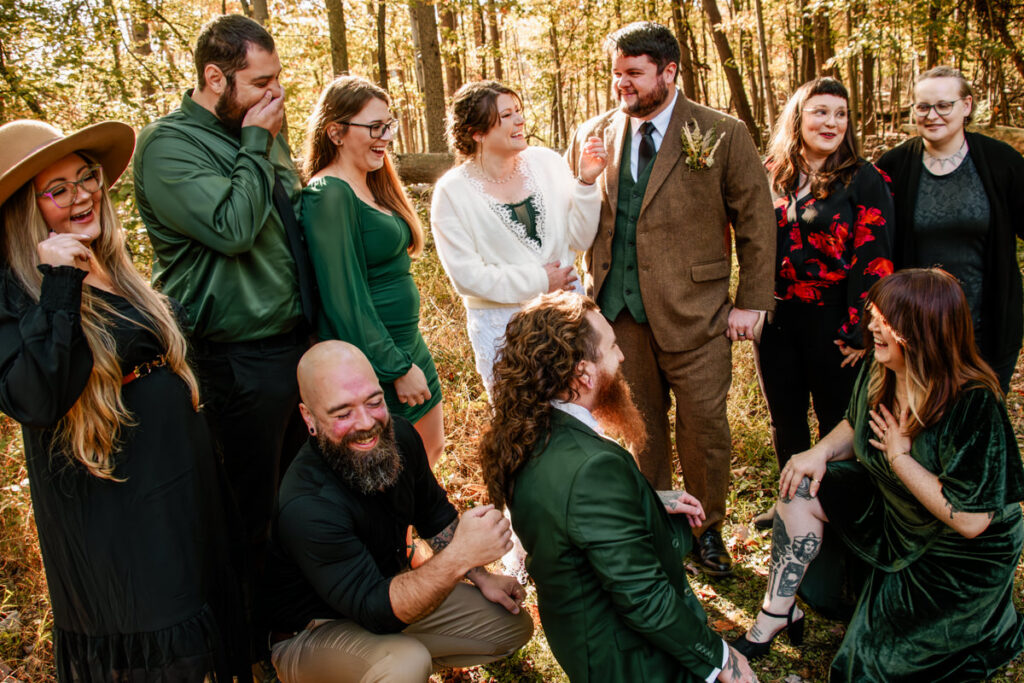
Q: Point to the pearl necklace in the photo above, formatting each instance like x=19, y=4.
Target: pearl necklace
x=953, y=160
x=479, y=167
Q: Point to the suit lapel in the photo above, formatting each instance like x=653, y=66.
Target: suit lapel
x=614, y=136
x=669, y=152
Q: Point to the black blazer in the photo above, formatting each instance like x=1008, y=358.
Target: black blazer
x=1001, y=169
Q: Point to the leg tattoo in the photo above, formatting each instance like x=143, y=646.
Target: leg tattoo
x=790, y=557
x=803, y=490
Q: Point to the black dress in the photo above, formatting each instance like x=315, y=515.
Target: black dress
x=138, y=590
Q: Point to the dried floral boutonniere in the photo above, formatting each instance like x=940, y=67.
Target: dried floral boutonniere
x=700, y=147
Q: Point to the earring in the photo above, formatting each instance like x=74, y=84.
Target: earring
x=312, y=432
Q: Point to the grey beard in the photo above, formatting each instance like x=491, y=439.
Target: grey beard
x=366, y=471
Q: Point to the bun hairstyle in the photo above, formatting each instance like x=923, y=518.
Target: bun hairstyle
x=474, y=110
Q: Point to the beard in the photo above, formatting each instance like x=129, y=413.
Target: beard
x=617, y=414
x=647, y=103
x=229, y=110
x=366, y=471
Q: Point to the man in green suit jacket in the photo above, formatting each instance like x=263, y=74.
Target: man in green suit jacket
x=605, y=553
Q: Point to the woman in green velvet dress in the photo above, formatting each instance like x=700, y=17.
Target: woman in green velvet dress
x=922, y=481
x=362, y=231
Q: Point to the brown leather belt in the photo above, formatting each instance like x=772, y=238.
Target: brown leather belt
x=143, y=369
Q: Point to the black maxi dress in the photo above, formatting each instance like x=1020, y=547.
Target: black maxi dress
x=138, y=588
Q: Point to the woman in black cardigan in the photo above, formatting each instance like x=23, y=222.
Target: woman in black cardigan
x=959, y=204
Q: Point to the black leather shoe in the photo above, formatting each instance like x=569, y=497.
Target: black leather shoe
x=711, y=555
x=765, y=520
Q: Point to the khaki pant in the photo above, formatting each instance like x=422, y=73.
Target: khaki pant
x=700, y=380
x=466, y=630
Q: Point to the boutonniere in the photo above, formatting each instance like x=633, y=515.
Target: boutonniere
x=700, y=147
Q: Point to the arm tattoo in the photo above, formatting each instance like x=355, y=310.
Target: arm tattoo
x=952, y=510
x=733, y=665
x=443, y=538
x=803, y=490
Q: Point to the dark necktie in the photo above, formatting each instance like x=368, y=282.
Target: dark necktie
x=647, y=151
x=297, y=245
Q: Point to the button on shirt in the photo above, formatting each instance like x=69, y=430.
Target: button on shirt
x=660, y=126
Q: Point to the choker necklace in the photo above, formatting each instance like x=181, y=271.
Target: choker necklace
x=497, y=181
x=953, y=160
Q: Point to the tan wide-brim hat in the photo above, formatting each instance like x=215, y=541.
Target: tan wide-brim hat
x=28, y=147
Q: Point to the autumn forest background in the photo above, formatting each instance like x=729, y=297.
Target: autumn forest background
x=75, y=62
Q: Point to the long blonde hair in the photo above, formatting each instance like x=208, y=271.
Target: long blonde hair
x=343, y=98
x=91, y=430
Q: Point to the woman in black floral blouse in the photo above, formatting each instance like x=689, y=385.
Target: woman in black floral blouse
x=834, y=212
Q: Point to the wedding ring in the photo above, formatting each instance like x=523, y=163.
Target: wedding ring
x=743, y=334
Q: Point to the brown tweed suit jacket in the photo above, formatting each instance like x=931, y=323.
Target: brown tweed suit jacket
x=684, y=251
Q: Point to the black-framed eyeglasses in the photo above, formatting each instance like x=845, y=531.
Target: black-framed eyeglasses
x=377, y=130
x=942, y=108
x=64, y=194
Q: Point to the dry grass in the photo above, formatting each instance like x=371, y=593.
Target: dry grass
x=26, y=655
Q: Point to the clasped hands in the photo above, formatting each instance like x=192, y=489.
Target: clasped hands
x=482, y=536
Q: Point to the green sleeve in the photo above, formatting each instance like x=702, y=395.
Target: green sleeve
x=606, y=519
x=330, y=218
x=981, y=466
x=190, y=194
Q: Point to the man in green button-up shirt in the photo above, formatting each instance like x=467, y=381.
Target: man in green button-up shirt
x=205, y=179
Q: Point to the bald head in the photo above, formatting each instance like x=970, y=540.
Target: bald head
x=331, y=367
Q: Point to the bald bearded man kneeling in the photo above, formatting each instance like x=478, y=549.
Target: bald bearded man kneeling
x=343, y=603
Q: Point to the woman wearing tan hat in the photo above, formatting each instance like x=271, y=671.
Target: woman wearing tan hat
x=92, y=364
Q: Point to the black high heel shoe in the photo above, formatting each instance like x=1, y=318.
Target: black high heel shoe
x=793, y=628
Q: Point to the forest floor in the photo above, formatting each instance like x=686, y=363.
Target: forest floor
x=731, y=603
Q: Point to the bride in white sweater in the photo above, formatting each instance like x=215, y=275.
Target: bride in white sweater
x=508, y=219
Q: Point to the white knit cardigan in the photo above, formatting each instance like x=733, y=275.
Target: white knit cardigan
x=485, y=251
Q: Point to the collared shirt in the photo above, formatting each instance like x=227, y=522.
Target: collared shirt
x=660, y=126
x=587, y=418
x=206, y=198
x=335, y=549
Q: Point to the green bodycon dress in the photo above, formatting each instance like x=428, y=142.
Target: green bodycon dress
x=367, y=294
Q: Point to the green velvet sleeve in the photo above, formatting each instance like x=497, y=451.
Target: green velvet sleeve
x=330, y=218
x=981, y=466
x=606, y=519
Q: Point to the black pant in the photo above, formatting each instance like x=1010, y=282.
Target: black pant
x=797, y=360
x=250, y=399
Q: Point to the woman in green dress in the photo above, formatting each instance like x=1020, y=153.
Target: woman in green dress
x=362, y=231
x=922, y=481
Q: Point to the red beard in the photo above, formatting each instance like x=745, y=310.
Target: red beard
x=617, y=414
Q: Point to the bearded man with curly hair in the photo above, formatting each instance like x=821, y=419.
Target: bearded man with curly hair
x=604, y=548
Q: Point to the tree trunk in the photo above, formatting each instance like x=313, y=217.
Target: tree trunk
x=766, y=76
x=993, y=15
x=260, y=12
x=852, y=77
x=686, y=71
x=808, y=65
x=867, y=61
x=732, y=74
x=931, y=50
x=382, y=51
x=142, y=48
x=492, y=25
x=558, y=110
x=823, y=43
x=429, y=58
x=339, y=41
x=480, y=36
x=452, y=60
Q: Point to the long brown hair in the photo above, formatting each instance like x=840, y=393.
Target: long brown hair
x=343, y=98
x=928, y=314
x=785, y=161
x=544, y=344
x=90, y=432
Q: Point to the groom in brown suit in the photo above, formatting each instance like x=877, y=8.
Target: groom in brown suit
x=659, y=267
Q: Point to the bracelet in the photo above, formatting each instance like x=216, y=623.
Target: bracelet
x=581, y=181
x=897, y=457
